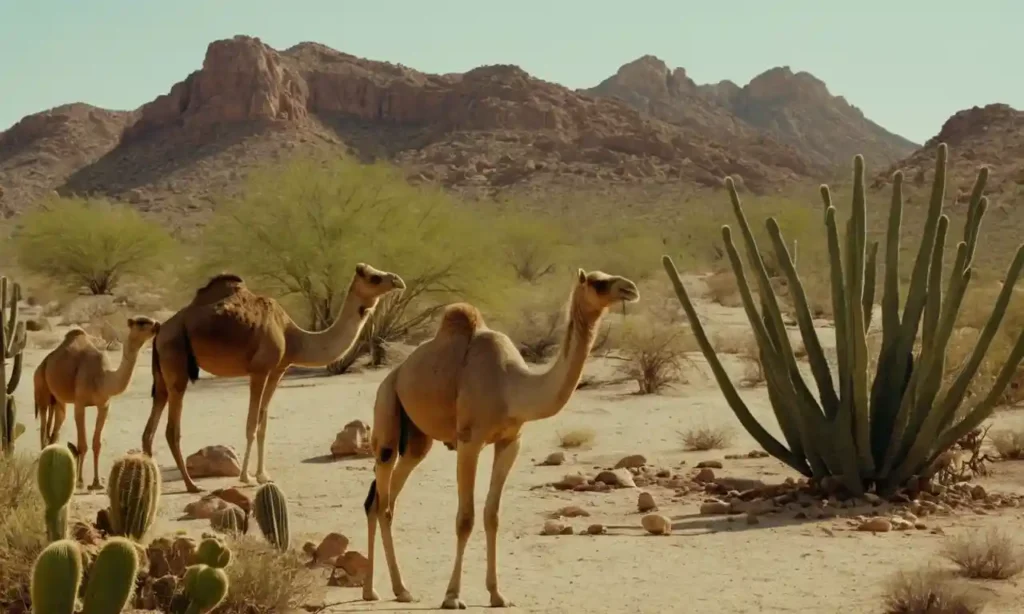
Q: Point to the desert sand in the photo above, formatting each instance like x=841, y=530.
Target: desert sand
x=708, y=563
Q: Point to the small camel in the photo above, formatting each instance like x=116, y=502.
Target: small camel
x=231, y=332
x=469, y=387
x=78, y=372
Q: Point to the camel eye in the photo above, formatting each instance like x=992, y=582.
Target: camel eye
x=600, y=286
x=376, y=279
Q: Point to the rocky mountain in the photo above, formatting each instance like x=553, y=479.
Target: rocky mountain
x=794, y=108
x=487, y=130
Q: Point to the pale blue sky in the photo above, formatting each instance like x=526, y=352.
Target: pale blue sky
x=908, y=64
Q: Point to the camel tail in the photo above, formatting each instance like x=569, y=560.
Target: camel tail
x=404, y=428
x=193, y=364
x=460, y=319
x=156, y=370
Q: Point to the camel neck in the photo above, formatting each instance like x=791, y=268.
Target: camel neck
x=542, y=395
x=117, y=381
x=318, y=349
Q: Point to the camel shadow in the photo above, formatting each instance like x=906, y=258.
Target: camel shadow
x=393, y=606
x=689, y=525
x=326, y=459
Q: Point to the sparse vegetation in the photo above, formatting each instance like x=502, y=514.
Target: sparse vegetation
x=88, y=243
x=22, y=533
x=653, y=357
x=930, y=591
x=1008, y=443
x=704, y=438
x=265, y=580
x=582, y=437
x=989, y=555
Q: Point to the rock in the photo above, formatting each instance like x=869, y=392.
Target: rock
x=596, y=529
x=656, y=524
x=617, y=478
x=704, y=476
x=570, y=511
x=352, y=440
x=900, y=524
x=753, y=519
x=554, y=459
x=570, y=481
x=553, y=527
x=713, y=508
x=645, y=502
x=214, y=461
x=757, y=454
x=309, y=548
x=739, y=484
x=875, y=525
x=978, y=492
x=331, y=547
x=567, y=530
x=206, y=507
x=632, y=461
x=235, y=496
x=709, y=464
x=350, y=570
x=103, y=521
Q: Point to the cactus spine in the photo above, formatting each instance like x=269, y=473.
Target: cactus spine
x=134, y=491
x=206, y=587
x=55, y=477
x=12, y=345
x=56, y=576
x=112, y=577
x=213, y=552
x=270, y=507
x=231, y=520
x=866, y=431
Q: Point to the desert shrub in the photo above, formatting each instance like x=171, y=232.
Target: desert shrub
x=990, y=555
x=89, y=243
x=22, y=535
x=1008, y=443
x=264, y=579
x=530, y=246
x=742, y=344
x=582, y=437
x=722, y=289
x=652, y=356
x=703, y=438
x=929, y=591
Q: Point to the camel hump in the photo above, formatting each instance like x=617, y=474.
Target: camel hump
x=74, y=332
x=226, y=279
x=460, y=319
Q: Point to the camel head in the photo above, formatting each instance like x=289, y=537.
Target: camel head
x=140, y=330
x=369, y=283
x=597, y=291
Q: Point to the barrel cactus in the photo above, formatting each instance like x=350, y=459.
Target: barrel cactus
x=111, y=578
x=206, y=587
x=270, y=507
x=56, y=576
x=871, y=430
x=12, y=346
x=231, y=520
x=55, y=477
x=134, y=492
x=212, y=552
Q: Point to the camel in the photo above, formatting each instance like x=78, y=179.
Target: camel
x=230, y=331
x=78, y=372
x=469, y=387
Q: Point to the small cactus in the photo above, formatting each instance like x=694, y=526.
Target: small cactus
x=206, y=587
x=56, y=479
x=12, y=345
x=112, y=577
x=231, y=520
x=212, y=552
x=134, y=491
x=270, y=507
x=56, y=576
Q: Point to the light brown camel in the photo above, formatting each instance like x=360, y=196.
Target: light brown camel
x=231, y=332
x=78, y=372
x=469, y=387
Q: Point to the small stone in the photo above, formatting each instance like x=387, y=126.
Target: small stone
x=331, y=547
x=309, y=548
x=553, y=527
x=352, y=440
x=757, y=454
x=567, y=530
x=739, y=484
x=978, y=492
x=618, y=478
x=632, y=461
x=872, y=498
x=753, y=519
x=554, y=459
x=235, y=496
x=569, y=511
x=875, y=525
x=705, y=475
x=355, y=565
x=714, y=508
x=570, y=481
x=920, y=526
x=645, y=502
x=596, y=529
x=656, y=524
x=709, y=464
x=206, y=507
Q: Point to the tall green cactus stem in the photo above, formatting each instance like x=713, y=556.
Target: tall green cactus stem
x=56, y=576
x=213, y=552
x=55, y=477
x=270, y=507
x=868, y=430
x=12, y=346
x=112, y=577
x=134, y=491
x=206, y=587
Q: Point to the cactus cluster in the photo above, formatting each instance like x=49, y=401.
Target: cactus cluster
x=12, y=346
x=57, y=577
x=270, y=508
x=55, y=477
x=134, y=491
x=206, y=587
x=231, y=520
x=212, y=552
x=867, y=432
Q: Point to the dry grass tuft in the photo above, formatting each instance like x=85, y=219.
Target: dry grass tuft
x=1009, y=444
x=992, y=555
x=722, y=289
x=576, y=438
x=743, y=344
x=265, y=580
x=930, y=591
x=22, y=535
x=654, y=356
x=706, y=438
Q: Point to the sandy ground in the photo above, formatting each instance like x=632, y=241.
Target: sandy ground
x=706, y=565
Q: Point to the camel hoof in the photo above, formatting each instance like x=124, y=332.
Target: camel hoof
x=453, y=603
x=497, y=601
x=371, y=595
x=245, y=479
x=404, y=597
x=263, y=478
x=193, y=489
x=95, y=486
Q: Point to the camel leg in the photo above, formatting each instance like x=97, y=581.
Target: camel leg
x=469, y=457
x=160, y=396
x=175, y=398
x=83, y=444
x=505, y=453
x=58, y=412
x=261, y=433
x=257, y=384
x=383, y=510
x=97, y=434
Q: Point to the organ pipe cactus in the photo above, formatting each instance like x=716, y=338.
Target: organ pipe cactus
x=134, y=491
x=867, y=430
x=55, y=476
x=111, y=578
x=12, y=346
x=56, y=576
x=270, y=507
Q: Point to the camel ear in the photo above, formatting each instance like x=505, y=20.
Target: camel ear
x=583, y=276
x=131, y=322
x=361, y=269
